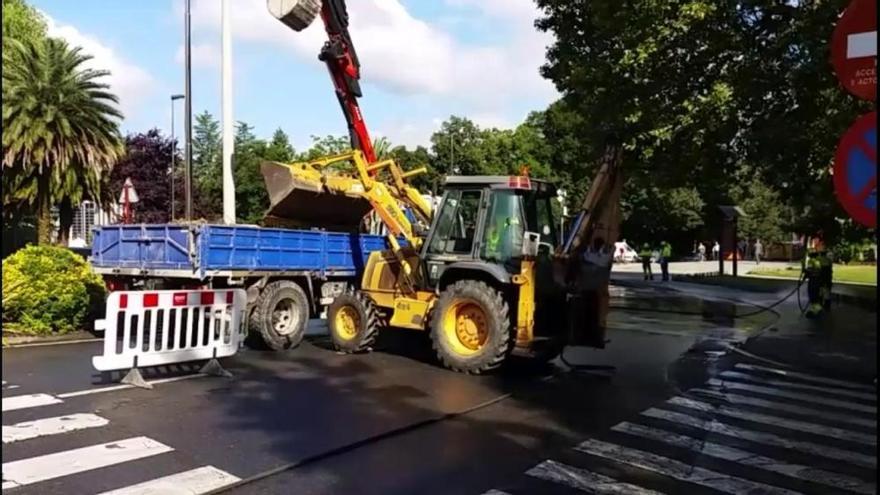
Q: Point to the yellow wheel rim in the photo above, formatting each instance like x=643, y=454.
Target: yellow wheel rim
x=465, y=327
x=347, y=322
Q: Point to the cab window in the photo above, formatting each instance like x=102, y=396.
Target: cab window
x=456, y=224
x=503, y=234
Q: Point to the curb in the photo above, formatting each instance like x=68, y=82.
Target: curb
x=867, y=299
x=34, y=340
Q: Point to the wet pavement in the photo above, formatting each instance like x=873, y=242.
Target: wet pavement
x=313, y=421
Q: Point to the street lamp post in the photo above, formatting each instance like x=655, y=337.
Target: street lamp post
x=173, y=151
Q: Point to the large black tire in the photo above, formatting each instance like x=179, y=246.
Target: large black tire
x=353, y=321
x=459, y=304
x=280, y=315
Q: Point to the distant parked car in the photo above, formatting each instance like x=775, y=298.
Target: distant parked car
x=623, y=253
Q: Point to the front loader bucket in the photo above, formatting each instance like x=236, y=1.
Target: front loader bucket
x=300, y=198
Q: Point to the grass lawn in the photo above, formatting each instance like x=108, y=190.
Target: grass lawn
x=863, y=274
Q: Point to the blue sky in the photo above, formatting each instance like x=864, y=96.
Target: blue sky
x=422, y=60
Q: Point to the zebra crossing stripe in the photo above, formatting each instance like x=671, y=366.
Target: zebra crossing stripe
x=791, y=424
x=714, y=382
x=193, y=482
x=678, y=470
x=807, y=377
x=584, y=480
x=750, y=459
x=26, y=401
x=870, y=397
x=51, y=466
x=50, y=426
x=770, y=439
x=744, y=400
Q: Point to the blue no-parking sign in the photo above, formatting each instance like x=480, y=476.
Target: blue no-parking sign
x=855, y=170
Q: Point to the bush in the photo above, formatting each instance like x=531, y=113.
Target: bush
x=49, y=289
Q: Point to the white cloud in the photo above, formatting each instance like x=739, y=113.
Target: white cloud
x=203, y=55
x=131, y=83
x=407, y=55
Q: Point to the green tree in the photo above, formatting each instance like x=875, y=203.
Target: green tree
x=251, y=198
x=324, y=146
x=413, y=159
x=60, y=129
x=207, y=168
x=22, y=22
x=279, y=148
x=457, y=148
x=766, y=215
x=698, y=90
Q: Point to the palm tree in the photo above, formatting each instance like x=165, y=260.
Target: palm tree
x=382, y=147
x=60, y=127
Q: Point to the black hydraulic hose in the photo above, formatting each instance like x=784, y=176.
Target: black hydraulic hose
x=358, y=444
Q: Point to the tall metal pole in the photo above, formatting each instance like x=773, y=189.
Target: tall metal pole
x=173, y=153
x=226, y=104
x=188, y=116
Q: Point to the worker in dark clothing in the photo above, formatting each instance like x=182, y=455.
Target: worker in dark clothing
x=645, y=255
x=813, y=272
x=826, y=274
x=665, y=254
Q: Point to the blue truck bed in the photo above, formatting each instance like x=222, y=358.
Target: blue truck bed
x=206, y=250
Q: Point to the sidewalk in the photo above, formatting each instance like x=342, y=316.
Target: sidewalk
x=841, y=344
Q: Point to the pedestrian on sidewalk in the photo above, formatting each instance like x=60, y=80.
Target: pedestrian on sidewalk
x=716, y=251
x=759, y=251
x=665, y=254
x=701, y=249
x=645, y=256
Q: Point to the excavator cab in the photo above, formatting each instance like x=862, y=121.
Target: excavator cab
x=481, y=224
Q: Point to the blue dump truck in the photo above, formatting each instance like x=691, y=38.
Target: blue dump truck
x=290, y=275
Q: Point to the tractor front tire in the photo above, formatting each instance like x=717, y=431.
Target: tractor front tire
x=353, y=321
x=470, y=327
x=280, y=315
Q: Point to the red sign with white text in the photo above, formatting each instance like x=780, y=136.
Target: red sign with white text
x=854, y=49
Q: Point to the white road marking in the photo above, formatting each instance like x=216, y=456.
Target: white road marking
x=793, y=395
x=773, y=440
x=678, y=470
x=807, y=377
x=750, y=459
x=746, y=400
x=584, y=480
x=192, y=482
x=791, y=424
x=495, y=492
x=112, y=388
x=871, y=397
x=860, y=45
x=51, y=426
x=26, y=401
x=51, y=466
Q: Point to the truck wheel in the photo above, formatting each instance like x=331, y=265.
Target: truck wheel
x=470, y=327
x=280, y=315
x=353, y=322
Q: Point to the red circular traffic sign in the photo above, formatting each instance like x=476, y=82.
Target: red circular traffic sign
x=854, y=49
x=855, y=170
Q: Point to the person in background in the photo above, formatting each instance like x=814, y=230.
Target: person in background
x=701, y=250
x=826, y=271
x=716, y=251
x=665, y=254
x=645, y=256
x=759, y=251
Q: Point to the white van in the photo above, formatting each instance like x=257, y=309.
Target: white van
x=623, y=253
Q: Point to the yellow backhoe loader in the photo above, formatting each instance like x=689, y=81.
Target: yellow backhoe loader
x=487, y=274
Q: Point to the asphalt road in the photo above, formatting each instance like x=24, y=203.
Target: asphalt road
x=387, y=423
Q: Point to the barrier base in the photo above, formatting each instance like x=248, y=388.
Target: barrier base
x=213, y=368
x=134, y=378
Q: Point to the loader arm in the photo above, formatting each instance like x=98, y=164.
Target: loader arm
x=599, y=214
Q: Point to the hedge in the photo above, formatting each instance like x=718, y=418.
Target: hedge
x=49, y=289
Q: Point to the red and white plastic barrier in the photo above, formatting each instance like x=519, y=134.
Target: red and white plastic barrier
x=154, y=328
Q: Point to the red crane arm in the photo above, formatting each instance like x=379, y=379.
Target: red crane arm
x=342, y=62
